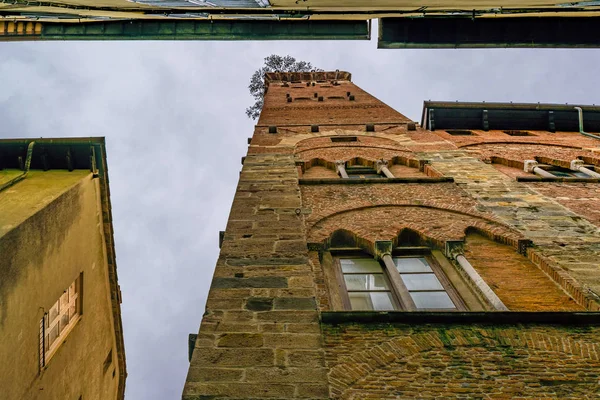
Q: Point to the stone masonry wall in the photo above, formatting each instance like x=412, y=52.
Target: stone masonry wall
x=260, y=336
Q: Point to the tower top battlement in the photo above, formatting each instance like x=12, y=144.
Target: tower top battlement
x=300, y=77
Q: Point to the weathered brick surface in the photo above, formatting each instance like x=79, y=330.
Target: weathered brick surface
x=581, y=198
x=500, y=265
x=470, y=361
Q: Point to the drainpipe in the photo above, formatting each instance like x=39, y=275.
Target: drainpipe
x=341, y=169
x=532, y=166
x=382, y=167
x=580, y=111
x=25, y=169
x=483, y=287
x=577, y=165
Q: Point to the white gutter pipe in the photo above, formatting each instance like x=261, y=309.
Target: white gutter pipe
x=580, y=111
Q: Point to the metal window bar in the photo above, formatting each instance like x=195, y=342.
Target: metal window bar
x=42, y=342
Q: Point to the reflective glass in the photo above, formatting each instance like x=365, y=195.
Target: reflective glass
x=371, y=301
x=64, y=300
x=567, y=174
x=64, y=321
x=421, y=282
x=412, y=264
x=360, y=265
x=432, y=300
x=53, y=314
x=53, y=335
x=366, y=282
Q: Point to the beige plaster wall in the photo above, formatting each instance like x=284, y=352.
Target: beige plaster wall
x=50, y=232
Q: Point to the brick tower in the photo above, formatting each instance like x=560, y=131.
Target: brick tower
x=368, y=256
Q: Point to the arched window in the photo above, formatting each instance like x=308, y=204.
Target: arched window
x=410, y=278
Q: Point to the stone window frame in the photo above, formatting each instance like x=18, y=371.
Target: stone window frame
x=400, y=294
x=67, y=312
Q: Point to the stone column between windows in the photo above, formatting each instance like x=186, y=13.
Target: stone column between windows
x=341, y=168
x=532, y=166
x=577, y=165
x=407, y=301
x=382, y=168
x=478, y=281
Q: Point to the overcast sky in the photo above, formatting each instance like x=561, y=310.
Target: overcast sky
x=173, y=116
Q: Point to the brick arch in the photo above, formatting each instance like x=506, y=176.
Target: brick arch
x=318, y=139
x=514, y=153
x=406, y=353
x=333, y=153
x=386, y=221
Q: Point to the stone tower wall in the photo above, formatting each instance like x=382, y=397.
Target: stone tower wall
x=275, y=326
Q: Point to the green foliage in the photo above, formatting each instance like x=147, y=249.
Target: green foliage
x=273, y=63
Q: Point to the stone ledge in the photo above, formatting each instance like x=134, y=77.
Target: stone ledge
x=437, y=317
x=339, y=181
x=557, y=179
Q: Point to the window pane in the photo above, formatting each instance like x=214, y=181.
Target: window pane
x=371, y=301
x=72, y=289
x=64, y=321
x=421, y=282
x=412, y=264
x=53, y=335
x=64, y=300
x=53, y=314
x=360, y=265
x=432, y=300
x=366, y=282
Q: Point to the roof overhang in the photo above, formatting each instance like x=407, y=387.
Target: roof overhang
x=493, y=31
x=187, y=29
x=508, y=116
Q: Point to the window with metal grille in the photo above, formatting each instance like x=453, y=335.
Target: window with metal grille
x=59, y=320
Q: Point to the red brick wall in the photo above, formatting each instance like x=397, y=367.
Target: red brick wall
x=520, y=284
x=471, y=361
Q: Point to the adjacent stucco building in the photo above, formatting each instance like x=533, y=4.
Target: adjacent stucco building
x=60, y=318
x=370, y=256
